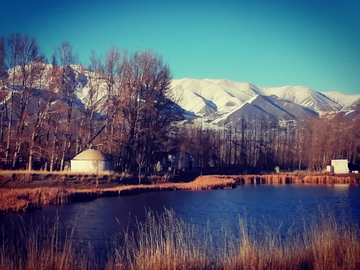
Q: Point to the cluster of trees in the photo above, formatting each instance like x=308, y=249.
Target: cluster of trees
x=127, y=110
x=262, y=144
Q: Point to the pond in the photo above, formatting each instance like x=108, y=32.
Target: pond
x=279, y=207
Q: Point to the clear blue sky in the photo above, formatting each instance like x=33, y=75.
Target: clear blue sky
x=315, y=43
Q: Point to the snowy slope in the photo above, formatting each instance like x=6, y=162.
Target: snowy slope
x=203, y=97
x=246, y=111
x=264, y=107
x=343, y=99
x=303, y=96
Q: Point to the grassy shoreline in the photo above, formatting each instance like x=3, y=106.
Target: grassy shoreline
x=25, y=192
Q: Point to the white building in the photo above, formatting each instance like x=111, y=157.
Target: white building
x=92, y=161
x=340, y=165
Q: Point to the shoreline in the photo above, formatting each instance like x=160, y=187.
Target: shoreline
x=25, y=196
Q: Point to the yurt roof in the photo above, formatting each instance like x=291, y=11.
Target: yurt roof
x=91, y=154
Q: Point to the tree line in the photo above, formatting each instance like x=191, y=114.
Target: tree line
x=123, y=104
x=262, y=144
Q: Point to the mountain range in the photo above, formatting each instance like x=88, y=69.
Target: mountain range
x=223, y=102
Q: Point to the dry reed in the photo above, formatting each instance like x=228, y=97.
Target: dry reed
x=166, y=242
x=43, y=246
x=27, y=199
x=162, y=242
x=326, y=244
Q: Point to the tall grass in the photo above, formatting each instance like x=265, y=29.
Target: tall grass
x=45, y=246
x=163, y=242
x=324, y=245
x=167, y=242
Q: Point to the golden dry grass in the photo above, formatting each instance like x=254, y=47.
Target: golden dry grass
x=163, y=242
x=293, y=178
x=21, y=200
x=325, y=245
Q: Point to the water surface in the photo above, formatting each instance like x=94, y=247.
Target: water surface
x=279, y=207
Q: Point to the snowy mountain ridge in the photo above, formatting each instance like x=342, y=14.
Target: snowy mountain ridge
x=222, y=101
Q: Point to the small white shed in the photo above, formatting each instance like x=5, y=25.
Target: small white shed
x=340, y=165
x=92, y=161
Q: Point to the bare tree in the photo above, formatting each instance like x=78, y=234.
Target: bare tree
x=43, y=112
x=3, y=91
x=145, y=107
x=66, y=58
x=25, y=62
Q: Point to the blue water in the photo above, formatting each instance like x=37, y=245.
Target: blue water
x=279, y=207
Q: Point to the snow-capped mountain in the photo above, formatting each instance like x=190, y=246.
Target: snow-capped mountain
x=222, y=102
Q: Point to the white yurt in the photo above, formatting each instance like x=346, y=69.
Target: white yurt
x=91, y=160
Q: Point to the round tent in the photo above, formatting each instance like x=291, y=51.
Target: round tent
x=91, y=160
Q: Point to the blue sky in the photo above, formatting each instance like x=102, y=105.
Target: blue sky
x=266, y=42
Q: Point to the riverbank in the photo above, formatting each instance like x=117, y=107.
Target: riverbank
x=25, y=192
x=167, y=242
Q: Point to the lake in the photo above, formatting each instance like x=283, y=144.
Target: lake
x=279, y=207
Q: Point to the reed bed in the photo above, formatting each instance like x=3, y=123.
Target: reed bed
x=45, y=246
x=167, y=242
x=162, y=242
x=326, y=244
x=23, y=200
x=292, y=178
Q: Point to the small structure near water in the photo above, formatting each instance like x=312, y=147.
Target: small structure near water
x=339, y=166
x=92, y=161
x=330, y=169
x=176, y=160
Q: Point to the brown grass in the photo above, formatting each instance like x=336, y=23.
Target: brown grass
x=22, y=200
x=293, y=178
x=162, y=242
x=325, y=245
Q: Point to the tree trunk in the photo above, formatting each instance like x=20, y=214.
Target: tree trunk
x=53, y=149
x=31, y=150
x=7, y=157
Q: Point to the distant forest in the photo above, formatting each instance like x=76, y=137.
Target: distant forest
x=128, y=111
